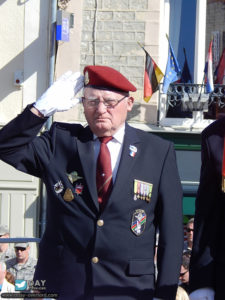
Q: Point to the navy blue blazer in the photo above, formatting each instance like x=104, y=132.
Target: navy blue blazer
x=86, y=253
x=208, y=253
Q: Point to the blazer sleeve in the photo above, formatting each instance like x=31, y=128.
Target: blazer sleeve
x=20, y=146
x=170, y=222
x=206, y=224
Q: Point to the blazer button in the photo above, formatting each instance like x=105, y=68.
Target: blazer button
x=100, y=223
x=95, y=259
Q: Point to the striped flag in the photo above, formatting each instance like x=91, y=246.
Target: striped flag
x=152, y=77
x=220, y=70
x=209, y=70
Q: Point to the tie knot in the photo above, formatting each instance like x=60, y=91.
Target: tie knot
x=105, y=139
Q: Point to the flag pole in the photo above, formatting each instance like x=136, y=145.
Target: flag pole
x=202, y=84
x=140, y=45
x=211, y=40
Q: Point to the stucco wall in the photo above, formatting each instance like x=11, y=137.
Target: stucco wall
x=24, y=47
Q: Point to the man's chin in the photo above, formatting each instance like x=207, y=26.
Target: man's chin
x=101, y=129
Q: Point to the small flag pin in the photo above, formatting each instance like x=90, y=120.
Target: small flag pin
x=133, y=150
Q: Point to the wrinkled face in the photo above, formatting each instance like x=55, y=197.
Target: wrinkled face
x=105, y=121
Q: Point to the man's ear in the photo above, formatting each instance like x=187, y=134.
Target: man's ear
x=130, y=103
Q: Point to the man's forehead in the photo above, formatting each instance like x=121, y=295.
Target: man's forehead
x=92, y=92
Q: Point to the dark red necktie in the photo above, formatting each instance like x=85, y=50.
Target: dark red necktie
x=104, y=172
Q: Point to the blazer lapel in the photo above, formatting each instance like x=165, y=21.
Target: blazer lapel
x=85, y=147
x=127, y=161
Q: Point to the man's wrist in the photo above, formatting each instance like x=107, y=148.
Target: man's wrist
x=36, y=112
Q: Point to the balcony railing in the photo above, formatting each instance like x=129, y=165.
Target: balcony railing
x=188, y=105
x=193, y=97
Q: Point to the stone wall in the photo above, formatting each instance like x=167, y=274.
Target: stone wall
x=215, y=22
x=111, y=31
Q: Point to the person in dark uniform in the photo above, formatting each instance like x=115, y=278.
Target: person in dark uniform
x=208, y=259
x=109, y=187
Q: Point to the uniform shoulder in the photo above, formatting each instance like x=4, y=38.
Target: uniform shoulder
x=31, y=261
x=67, y=126
x=73, y=129
x=10, y=262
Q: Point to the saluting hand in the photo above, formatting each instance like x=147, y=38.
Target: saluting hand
x=60, y=96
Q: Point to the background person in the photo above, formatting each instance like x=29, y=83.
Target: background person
x=181, y=294
x=23, y=265
x=189, y=233
x=5, y=286
x=99, y=241
x=5, y=251
x=208, y=259
x=184, y=272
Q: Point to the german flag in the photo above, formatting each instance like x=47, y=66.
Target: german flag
x=152, y=77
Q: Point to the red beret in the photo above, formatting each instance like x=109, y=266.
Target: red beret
x=106, y=77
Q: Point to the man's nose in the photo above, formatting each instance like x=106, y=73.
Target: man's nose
x=101, y=107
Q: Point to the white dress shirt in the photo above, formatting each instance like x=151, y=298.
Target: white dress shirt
x=115, y=149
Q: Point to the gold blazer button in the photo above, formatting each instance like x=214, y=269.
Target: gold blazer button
x=100, y=223
x=95, y=259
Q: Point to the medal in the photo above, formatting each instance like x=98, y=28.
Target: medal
x=138, y=222
x=79, y=189
x=68, y=196
x=142, y=190
x=73, y=176
x=58, y=187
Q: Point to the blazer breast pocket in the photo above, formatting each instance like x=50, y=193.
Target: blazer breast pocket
x=141, y=267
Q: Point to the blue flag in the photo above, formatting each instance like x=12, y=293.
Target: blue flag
x=172, y=70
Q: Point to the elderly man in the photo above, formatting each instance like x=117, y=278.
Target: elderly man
x=109, y=187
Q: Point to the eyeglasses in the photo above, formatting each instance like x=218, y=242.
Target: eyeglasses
x=109, y=103
x=189, y=229
x=182, y=274
x=20, y=248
